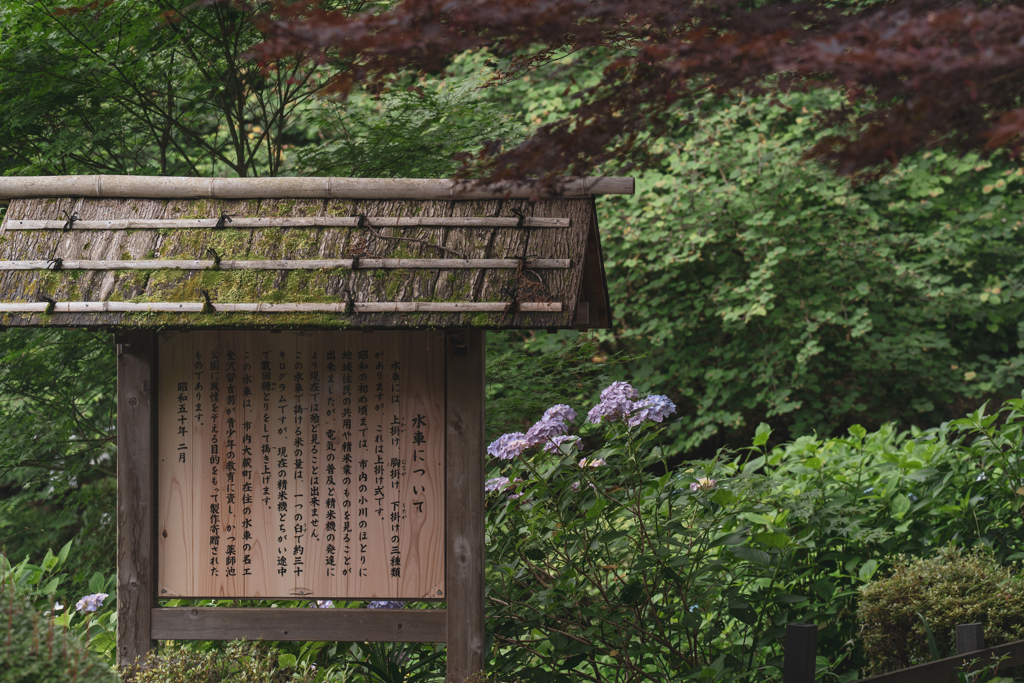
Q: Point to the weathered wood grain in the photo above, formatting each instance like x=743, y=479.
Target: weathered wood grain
x=98, y=307
x=297, y=264
x=136, y=486
x=257, y=623
x=287, y=222
x=373, y=247
x=335, y=489
x=324, y=188
x=465, y=517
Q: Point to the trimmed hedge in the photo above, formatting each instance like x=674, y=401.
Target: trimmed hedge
x=953, y=587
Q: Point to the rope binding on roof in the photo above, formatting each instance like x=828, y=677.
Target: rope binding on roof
x=69, y=223
x=224, y=218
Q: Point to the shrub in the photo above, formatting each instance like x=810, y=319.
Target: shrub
x=36, y=649
x=239, y=662
x=953, y=587
x=603, y=564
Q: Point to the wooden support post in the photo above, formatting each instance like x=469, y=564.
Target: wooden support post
x=801, y=651
x=136, y=509
x=464, y=551
x=969, y=638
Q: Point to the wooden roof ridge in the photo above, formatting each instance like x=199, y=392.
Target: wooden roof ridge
x=166, y=187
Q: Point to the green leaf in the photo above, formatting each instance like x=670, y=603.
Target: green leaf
x=752, y=555
x=96, y=583
x=753, y=465
x=867, y=570
x=734, y=538
x=62, y=556
x=49, y=561
x=723, y=496
x=775, y=539
x=286, y=661
x=596, y=508
x=51, y=587
x=932, y=645
x=762, y=434
x=900, y=505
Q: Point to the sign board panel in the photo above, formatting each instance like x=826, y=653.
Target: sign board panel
x=301, y=465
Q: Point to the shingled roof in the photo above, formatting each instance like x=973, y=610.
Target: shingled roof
x=301, y=253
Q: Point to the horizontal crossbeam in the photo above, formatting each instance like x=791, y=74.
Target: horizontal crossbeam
x=309, y=264
x=290, y=222
x=360, y=307
x=260, y=623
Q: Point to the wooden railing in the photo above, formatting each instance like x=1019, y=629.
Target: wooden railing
x=801, y=650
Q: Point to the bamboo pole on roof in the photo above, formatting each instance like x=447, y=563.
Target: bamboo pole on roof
x=162, y=187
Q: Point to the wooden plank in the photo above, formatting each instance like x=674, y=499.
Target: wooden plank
x=258, y=623
x=360, y=307
x=335, y=491
x=969, y=638
x=156, y=187
x=594, y=286
x=800, y=653
x=945, y=670
x=288, y=222
x=301, y=264
x=136, y=510
x=465, y=515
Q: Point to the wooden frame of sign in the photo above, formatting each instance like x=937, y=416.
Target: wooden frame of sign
x=181, y=496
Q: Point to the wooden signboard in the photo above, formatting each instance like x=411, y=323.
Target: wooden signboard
x=301, y=465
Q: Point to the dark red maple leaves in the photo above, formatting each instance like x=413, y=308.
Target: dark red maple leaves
x=937, y=73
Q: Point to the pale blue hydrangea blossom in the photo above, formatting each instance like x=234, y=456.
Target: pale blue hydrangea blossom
x=655, y=408
x=91, y=603
x=508, y=446
x=616, y=403
x=496, y=484
x=322, y=604
x=562, y=444
x=386, y=604
x=555, y=422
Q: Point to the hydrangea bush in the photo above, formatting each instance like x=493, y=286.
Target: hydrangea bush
x=604, y=564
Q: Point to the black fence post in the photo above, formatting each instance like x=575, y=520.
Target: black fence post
x=969, y=638
x=800, y=653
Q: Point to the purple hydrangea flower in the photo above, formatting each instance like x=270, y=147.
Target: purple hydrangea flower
x=508, y=446
x=616, y=402
x=562, y=444
x=551, y=425
x=655, y=408
x=91, y=603
x=322, y=604
x=496, y=484
x=386, y=604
